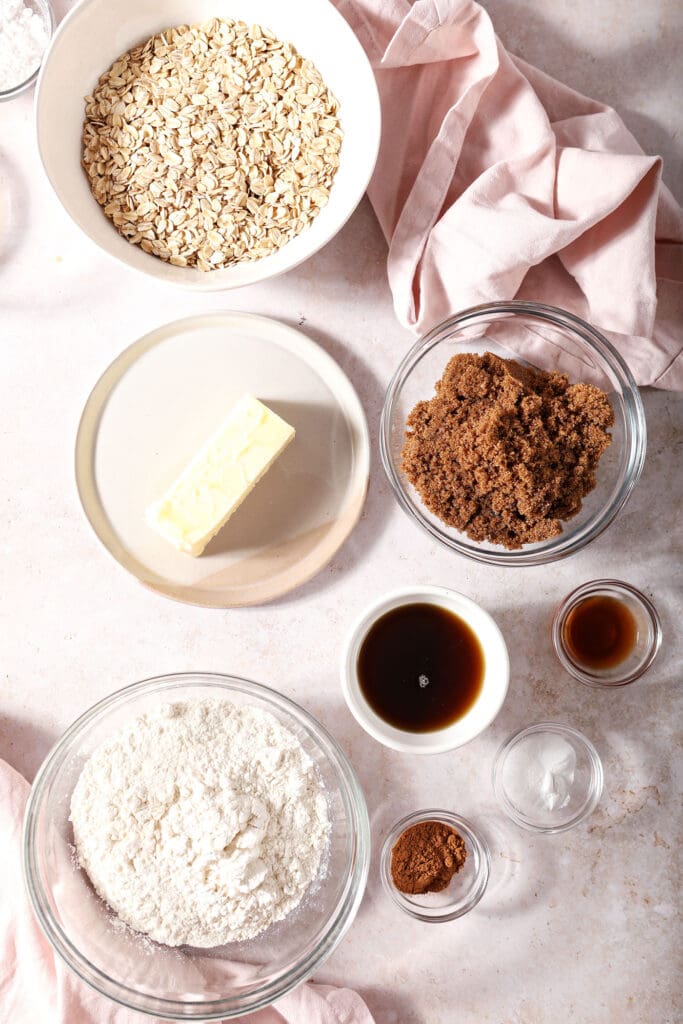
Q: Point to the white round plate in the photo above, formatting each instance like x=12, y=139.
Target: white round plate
x=157, y=403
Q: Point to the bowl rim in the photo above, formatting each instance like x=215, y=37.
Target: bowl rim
x=207, y=282
x=634, y=418
x=572, y=600
x=442, y=740
x=525, y=821
x=345, y=909
x=478, y=845
x=50, y=23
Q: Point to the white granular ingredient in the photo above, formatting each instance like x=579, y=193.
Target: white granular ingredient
x=23, y=39
x=539, y=773
x=200, y=823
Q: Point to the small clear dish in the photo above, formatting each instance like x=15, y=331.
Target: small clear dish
x=547, y=777
x=466, y=887
x=636, y=661
x=44, y=11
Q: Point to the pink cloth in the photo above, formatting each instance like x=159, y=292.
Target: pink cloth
x=37, y=988
x=494, y=181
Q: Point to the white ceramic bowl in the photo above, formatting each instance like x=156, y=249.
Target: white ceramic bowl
x=481, y=714
x=96, y=32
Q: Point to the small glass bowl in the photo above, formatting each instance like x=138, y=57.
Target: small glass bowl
x=552, y=340
x=648, y=634
x=517, y=755
x=466, y=888
x=43, y=9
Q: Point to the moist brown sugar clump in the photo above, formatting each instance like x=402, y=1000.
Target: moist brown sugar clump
x=426, y=856
x=505, y=452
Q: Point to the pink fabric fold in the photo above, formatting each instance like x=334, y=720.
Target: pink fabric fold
x=37, y=988
x=495, y=181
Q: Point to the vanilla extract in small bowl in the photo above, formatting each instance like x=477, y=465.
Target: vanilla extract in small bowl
x=606, y=633
x=420, y=667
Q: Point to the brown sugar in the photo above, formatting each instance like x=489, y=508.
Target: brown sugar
x=426, y=856
x=505, y=452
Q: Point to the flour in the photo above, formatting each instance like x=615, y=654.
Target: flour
x=200, y=823
x=23, y=40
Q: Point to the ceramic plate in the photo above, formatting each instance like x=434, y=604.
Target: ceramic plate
x=155, y=406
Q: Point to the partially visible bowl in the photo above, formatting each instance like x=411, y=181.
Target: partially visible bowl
x=96, y=32
x=552, y=340
x=185, y=982
x=44, y=11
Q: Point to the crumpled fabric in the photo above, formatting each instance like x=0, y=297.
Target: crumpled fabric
x=494, y=181
x=36, y=987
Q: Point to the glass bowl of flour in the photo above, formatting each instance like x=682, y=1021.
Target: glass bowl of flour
x=195, y=846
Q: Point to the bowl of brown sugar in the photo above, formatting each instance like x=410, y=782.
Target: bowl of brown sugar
x=435, y=865
x=513, y=459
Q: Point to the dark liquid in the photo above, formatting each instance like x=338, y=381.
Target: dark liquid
x=600, y=632
x=420, y=667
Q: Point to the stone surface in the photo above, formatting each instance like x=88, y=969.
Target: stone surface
x=580, y=927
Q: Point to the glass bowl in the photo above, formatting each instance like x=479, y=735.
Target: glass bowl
x=466, y=887
x=185, y=982
x=552, y=340
x=521, y=779
x=43, y=9
x=637, y=661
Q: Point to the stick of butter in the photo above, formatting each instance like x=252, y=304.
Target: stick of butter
x=220, y=476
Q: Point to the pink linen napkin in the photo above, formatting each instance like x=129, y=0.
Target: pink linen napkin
x=37, y=988
x=495, y=181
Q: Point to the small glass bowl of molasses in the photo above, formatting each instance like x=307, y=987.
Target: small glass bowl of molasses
x=606, y=633
x=466, y=886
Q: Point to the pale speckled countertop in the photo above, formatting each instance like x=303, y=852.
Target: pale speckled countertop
x=576, y=928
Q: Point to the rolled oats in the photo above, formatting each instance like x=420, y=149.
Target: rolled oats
x=210, y=145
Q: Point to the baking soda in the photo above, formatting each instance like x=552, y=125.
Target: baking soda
x=539, y=772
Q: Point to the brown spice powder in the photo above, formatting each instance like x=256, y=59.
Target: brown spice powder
x=505, y=452
x=426, y=856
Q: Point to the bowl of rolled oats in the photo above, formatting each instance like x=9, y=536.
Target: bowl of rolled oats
x=208, y=144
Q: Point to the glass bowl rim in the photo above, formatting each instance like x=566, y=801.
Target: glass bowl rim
x=571, y=601
x=51, y=24
x=594, y=793
x=633, y=413
x=345, y=909
x=469, y=832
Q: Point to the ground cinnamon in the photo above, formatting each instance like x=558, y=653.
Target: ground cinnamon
x=505, y=452
x=426, y=856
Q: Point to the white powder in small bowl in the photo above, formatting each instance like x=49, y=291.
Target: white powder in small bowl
x=24, y=35
x=539, y=773
x=201, y=823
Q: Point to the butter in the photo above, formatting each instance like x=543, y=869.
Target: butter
x=220, y=476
